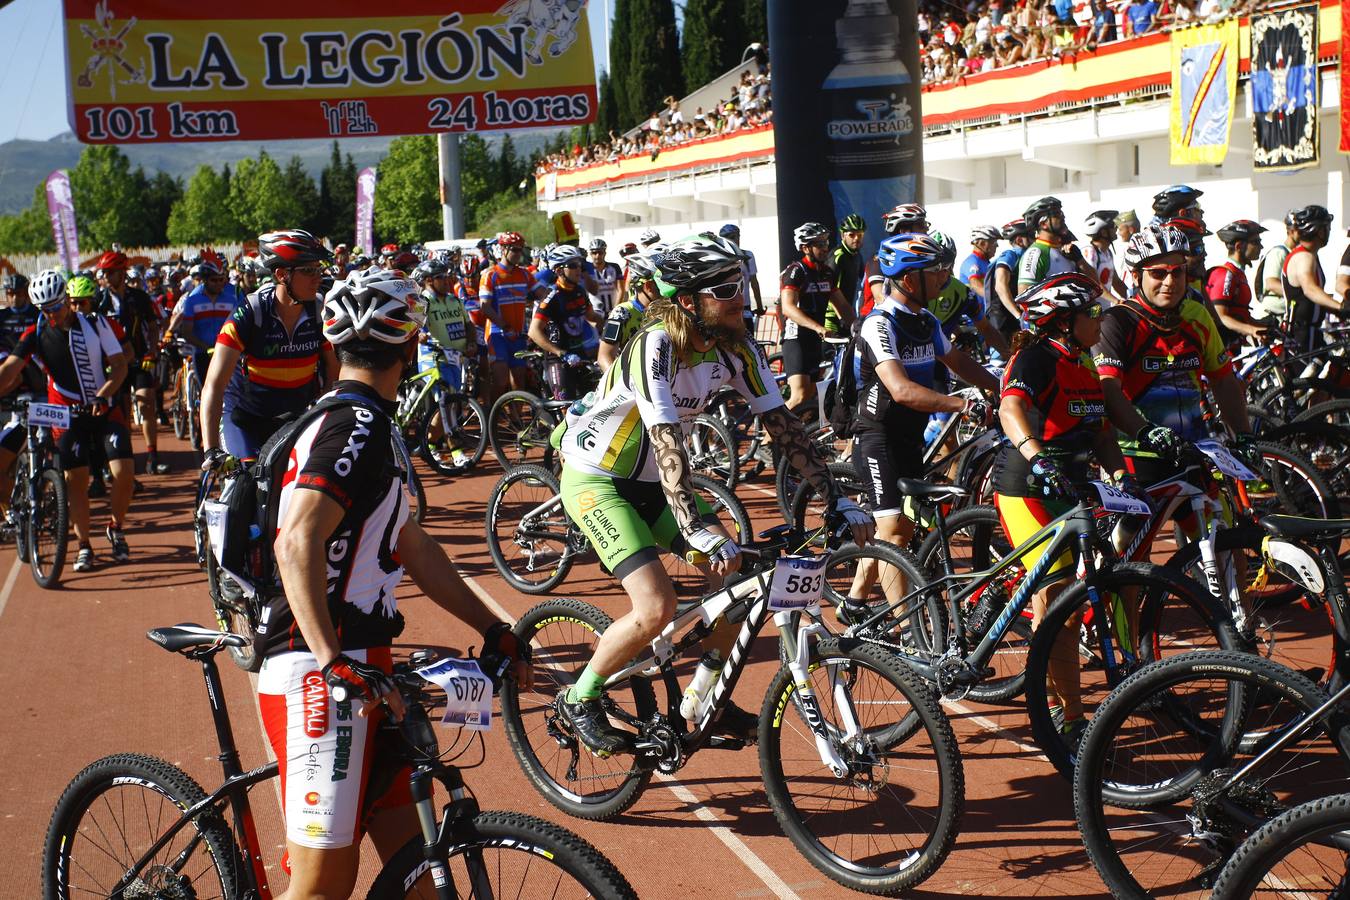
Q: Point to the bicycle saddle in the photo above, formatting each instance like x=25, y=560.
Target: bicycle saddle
x=922, y=490
x=1299, y=526
x=177, y=638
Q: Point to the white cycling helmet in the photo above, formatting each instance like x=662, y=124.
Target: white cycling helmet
x=1154, y=241
x=985, y=233
x=809, y=232
x=376, y=303
x=562, y=254
x=48, y=289
x=649, y=237
x=1101, y=219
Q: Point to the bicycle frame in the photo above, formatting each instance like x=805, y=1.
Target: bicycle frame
x=751, y=591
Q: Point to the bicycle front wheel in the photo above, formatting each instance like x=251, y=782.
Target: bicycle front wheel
x=110, y=816
x=1175, y=615
x=889, y=821
x=529, y=535
x=48, y=529
x=458, y=422
x=506, y=854
x=712, y=450
x=1304, y=852
x=519, y=428
x=564, y=634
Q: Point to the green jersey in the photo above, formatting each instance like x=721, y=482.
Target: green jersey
x=447, y=320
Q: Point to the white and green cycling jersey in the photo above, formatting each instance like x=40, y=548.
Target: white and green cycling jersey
x=1039, y=262
x=648, y=385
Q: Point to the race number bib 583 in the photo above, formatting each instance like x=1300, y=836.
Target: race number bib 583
x=798, y=582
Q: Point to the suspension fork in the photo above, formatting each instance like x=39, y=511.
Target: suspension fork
x=1108, y=619
x=797, y=640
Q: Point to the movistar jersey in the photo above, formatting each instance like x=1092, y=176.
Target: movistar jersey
x=649, y=385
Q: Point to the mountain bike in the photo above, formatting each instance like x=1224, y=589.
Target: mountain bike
x=131, y=825
x=860, y=766
x=445, y=426
x=185, y=413
x=520, y=422
x=533, y=542
x=1303, y=852
x=235, y=612
x=924, y=622
x=39, y=515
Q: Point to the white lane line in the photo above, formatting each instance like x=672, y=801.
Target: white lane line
x=733, y=843
x=9, y=584
x=993, y=727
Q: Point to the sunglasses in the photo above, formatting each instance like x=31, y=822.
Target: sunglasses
x=729, y=290
x=311, y=271
x=1161, y=273
x=571, y=265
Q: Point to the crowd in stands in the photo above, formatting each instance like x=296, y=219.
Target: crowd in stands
x=955, y=42
x=747, y=106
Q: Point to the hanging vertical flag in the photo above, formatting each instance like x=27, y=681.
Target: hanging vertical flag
x=365, y=210
x=61, y=209
x=1284, y=89
x=1204, y=83
x=1345, y=77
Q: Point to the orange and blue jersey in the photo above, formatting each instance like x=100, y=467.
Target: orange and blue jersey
x=509, y=292
x=279, y=371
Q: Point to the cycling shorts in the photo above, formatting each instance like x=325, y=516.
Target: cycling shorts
x=504, y=349
x=13, y=435
x=625, y=520
x=243, y=435
x=879, y=460
x=324, y=751
x=1022, y=517
x=139, y=379
x=452, y=376
x=801, y=355
x=91, y=439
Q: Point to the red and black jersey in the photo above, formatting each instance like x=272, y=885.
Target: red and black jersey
x=1228, y=289
x=1066, y=410
x=137, y=315
x=814, y=285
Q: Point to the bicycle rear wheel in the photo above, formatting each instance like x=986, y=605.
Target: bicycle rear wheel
x=1151, y=791
x=1304, y=852
x=564, y=634
x=519, y=428
x=529, y=534
x=889, y=822
x=113, y=812
x=466, y=433
x=506, y=854
x=192, y=400
x=48, y=529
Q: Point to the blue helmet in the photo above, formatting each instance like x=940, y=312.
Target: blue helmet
x=730, y=231
x=903, y=253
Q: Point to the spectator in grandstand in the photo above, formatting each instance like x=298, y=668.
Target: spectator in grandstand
x=1140, y=17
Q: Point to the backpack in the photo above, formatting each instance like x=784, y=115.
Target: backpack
x=243, y=523
x=841, y=401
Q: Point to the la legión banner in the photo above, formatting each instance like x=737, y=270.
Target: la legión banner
x=1284, y=89
x=144, y=71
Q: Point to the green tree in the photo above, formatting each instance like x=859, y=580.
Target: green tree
x=508, y=165
x=619, y=50
x=477, y=177
x=713, y=40
x=654, y=59
x=303, y=192
x=29, y=231
x=407, y=205
x=607, y=115
x=337, y=198
x=161, y=193
x=756, y=18
x=203, y=214
x=110, y=200
x=260, y=198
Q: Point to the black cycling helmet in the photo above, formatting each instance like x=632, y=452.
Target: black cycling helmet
x=429, y=269
x=695, y=262
x=852, y=222
x=1171, y=202
x=1310, y=219
x=1042, y=209
x=16, y=282
x=1015, y=229
x=1239, y=232
x=290, y=248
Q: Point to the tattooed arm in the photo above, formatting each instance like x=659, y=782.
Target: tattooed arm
x=672, y=464
x=790, y=437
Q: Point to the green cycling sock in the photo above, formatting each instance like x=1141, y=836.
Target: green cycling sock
x=588, y=686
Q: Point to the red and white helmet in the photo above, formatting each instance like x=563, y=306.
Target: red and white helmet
x=376, y=303
x=907, y=217
x=290, y=248
x=1056, y=298
x=510, y=239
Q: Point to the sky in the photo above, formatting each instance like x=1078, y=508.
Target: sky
x=32, y=66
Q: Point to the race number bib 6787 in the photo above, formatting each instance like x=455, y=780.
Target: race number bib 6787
x=468, y=692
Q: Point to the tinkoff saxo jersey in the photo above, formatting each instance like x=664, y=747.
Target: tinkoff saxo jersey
x=649, y=385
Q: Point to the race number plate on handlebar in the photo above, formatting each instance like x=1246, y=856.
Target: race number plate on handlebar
x=49, y=415
x=798, y=582
x=454, y=357
x=1117, y=501
x=468, y=692
x=1225, y=461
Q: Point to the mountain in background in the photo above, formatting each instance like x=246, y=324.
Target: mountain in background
x=23, y=164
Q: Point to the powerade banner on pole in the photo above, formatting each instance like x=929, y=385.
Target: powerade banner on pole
x=1284, y=89
x=61, y=208
x=1204, y=83
x=365, y=210
x=847, y=124
x=166, y=70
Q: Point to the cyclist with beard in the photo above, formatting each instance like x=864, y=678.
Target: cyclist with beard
x=626, y=478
